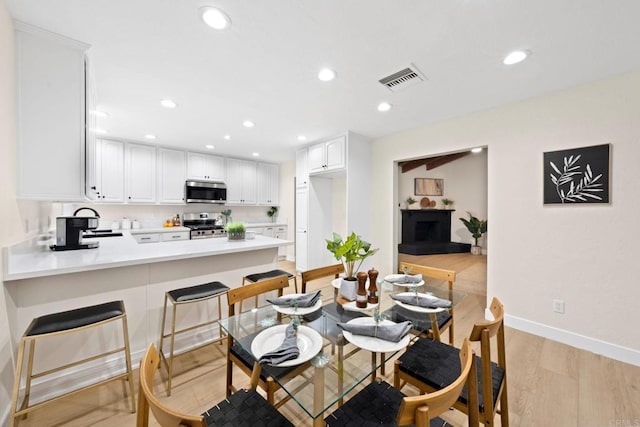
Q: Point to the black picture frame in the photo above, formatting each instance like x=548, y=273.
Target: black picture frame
x=577, y=175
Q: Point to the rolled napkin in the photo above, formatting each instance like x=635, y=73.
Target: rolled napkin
x=404, y=278
x=423, y=300
x=393, y=333
x=305, y=300
x=288, y=349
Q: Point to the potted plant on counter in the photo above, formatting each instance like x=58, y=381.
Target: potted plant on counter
x=351, y=252
x=477, y=228
x=236, y=230
x=272, y=213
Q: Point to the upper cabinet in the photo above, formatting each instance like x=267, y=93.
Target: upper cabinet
x=328, y=156
x=268, y=184
x=241, y=182
x=205, y=167
x=140, y=173
x=302, y=168
x=171, y=175
x=50, y=90
x=107, y=172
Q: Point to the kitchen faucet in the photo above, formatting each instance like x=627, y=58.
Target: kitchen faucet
x=91, y=209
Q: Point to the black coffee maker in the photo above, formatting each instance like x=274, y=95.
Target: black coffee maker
x=69, y=232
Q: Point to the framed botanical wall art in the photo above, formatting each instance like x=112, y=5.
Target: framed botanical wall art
x=428, y=187
x=578, y=175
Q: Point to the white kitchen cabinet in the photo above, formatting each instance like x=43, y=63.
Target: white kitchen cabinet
x=302, y=218
x=327, y=156
x=302, y=257
x=268, y=184
x=280, y=232
x=172, y=173
x=174, y=236
x=241, y=182
x=50, y=100
x=205, y=167
x=140, y=173
x=302, y=168
x=109, y=171
x=147, y=237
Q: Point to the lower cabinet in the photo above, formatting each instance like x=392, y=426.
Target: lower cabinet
x=160, y=237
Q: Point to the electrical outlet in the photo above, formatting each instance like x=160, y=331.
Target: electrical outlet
x=558, y=306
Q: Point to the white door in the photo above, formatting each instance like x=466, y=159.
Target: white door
x=214, y=168
x=301, y=251
x=234, y=181
x=268, y=184
x=172, y=167
x=140, y=172
x=196, y=166
x=111, y=171
x=335, y=150
x=316, y=158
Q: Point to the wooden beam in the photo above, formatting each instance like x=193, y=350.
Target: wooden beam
x=413, y=164
x=443, y=160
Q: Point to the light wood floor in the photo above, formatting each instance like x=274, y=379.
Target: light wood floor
x=550, y=384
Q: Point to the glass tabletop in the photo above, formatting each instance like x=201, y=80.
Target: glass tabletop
x=336, y=370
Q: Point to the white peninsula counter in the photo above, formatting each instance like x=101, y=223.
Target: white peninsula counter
x=38, y=281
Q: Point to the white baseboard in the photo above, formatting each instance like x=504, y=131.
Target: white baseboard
x=613, y=351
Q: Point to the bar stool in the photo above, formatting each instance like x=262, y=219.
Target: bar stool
x=182, y=297
x=64, y=323
x=256, y=277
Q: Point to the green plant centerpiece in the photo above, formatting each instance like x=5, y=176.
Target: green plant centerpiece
x=477, y=228
x=236, y=230
x=447, y=203
x=272, y=213
x=351, y=252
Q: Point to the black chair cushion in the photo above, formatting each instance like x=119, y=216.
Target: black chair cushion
x=199, y=291
x=377, y=404
x=421, y=323
x=245, y=408
x=438, y=365
x=77, y=318
x=268, y=275
x=238, y=350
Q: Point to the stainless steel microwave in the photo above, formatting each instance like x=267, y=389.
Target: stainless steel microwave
x=205, y=192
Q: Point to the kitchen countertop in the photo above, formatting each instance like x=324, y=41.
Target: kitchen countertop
x=27, y=261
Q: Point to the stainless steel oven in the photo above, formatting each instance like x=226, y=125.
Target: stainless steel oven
x=204, y=225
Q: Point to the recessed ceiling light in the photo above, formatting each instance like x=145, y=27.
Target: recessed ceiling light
x=100, y=131
x=515, y=57
x=227, y=136
x=248, y=124
x=476, y=150
x=210, y=147
x=302, y=138
x=149, y=136
x=326, y=75
x=99, y=113
x=384, y=106
x=167, y=103
x=215, y=18
x=255, y=154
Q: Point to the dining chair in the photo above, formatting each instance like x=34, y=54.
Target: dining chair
x=240, y=409
x=236, y=353
x=427, y=364
x=319, y=273
x=444, y=319
x=381, y=404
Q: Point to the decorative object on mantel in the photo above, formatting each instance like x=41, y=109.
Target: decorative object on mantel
x=236, y=230
x=410, y=201
x=578, y=175
x=272, y=213
x=350, y=251
x=447, y=203
x=428, y=187
x=477, y=228
x=426, y=203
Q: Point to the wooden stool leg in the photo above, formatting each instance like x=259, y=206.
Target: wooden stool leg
x=16, y=382
x=173, y=339
x=127, y=354
x=164, y=318
x=27, y=389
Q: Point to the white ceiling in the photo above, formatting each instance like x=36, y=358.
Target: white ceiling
x=264, y=68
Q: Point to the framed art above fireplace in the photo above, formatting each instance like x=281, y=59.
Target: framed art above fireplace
x=428, y=187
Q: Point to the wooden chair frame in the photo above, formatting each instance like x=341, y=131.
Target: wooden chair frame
x=166, y=416
x=438, y=274
x=318, y=273
x=237, y=295
x=482, y=332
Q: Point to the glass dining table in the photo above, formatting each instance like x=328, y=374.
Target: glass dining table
x=339, y=366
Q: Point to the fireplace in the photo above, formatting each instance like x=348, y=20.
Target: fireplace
x=428, y=231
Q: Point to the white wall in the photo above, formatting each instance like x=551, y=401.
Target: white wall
x=584, y=255
x=465, y=182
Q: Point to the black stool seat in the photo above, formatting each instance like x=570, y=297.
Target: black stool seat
x=436, y=364
x=198, y=291
x=268, y=275
x=245, y=408
x=376, y=405
x=77, y=318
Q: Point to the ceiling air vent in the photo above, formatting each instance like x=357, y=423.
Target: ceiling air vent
x=402, y=79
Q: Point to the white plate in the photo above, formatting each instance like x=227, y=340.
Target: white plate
x=309, y=343
x=389, y=277
x=351, y=306
x=300, y=310
x=416, y=308
x=371, y=343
